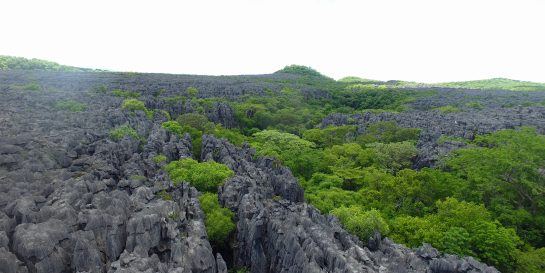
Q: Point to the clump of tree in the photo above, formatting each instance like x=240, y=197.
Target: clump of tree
x=125, y=93
x=196, y=125
x=136, y=105
x=218, y=220
x=296, y=153
x=362, y=223
x=20, y=63
x=300, y=70
x=205, y=176
x=122, y=131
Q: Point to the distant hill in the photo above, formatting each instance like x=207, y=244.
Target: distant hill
x=301, y=70
x=20, y=63
x=496, y=84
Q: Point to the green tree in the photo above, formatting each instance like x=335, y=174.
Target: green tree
x=192, y=92
x=205, y=176
x=394, y=156
x=532, y=261
x=294, y=152
x=329, y=136
x=461, y=228
x=122, y=131
x=197, y=121
x=505, y=172
x=360, y=222
x=218, y=221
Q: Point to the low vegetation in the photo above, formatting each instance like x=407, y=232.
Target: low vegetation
x=70, y=105
x=122, y=131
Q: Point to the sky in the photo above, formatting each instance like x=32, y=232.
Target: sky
x=419, y=40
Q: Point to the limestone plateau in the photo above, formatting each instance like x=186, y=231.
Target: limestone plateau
x=72, y=199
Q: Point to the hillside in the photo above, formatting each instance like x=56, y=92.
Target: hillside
x=284, y=172
x=20, y=63
x=497, y=84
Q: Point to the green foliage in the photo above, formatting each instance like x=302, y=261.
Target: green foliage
x=192, y=92
x=460, y=228
x=448, y=109
x=133, y=105
x=163, y=194
x=497, y=84
x=505, y=174
x=329, y=136
x=195, y=120
x=387, y=132
x=352, y=79
x=394, y=156
x=294, y=152
x=32, y=87
x=328, y=199
x=232, y=135
x=365, y=96
x=19, y=63
x=360, y=222
x=205, y=176
x=218, y=221
x=136, y=105
x=300, y=70
x=70, y=105
x=532, y=261
x=474, y=105
x=122, y=131
x=126, y=94
x=175, y=215
x=159, y=158
x=287, y=111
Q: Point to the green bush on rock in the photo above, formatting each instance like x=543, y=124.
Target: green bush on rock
x=205, y=176
x=218, y=221
x=122, y=131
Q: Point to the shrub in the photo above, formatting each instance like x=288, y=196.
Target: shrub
x=218, y=221
x=136, y=105
x=205, y=176
x=361, y=223
x=163, y=194
x=70, y=105
x=122, y=131
x=195, y=120
x=192, y=92
x=125, y=94
x=448, y=109
x=474, y=105
x=159, y=158
x=31, y=87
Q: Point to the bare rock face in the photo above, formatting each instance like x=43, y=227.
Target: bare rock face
x=288, y=235
x=222, y=113
x=73, y=200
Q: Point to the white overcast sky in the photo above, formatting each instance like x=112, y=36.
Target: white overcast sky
x=420, y=40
